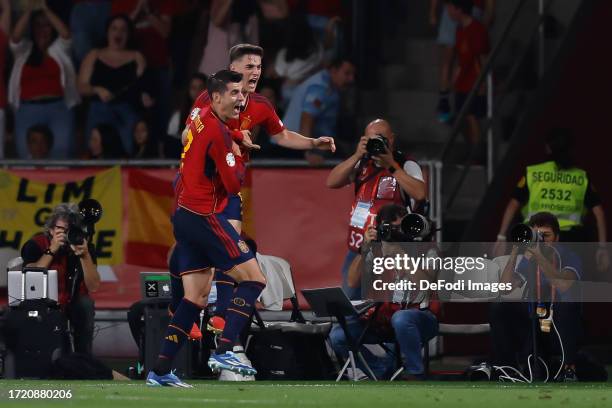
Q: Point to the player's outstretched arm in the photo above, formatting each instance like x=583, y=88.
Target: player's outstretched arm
x=296, y=141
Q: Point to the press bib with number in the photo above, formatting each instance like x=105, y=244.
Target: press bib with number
x=560, y=192
x=375, y=187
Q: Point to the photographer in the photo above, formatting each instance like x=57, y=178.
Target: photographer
x=559, y=268
x=410, y=323
x=76, y=270
x=381, y=176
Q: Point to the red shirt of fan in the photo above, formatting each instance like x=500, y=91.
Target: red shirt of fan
x=472, y=42
x=209, y=170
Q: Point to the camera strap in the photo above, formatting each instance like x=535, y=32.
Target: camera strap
x=358, y=182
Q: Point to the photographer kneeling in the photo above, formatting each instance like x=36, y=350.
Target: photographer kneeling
x=409, y=322
x=559, y=269
x=76, y=270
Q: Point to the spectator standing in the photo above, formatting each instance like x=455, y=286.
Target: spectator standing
x=111, y=77
x=471, y=47
x=105, y=143
x=482, y=10
x=42, y=86
x=87, y=25
x=231, y=22
x=314, y=106
x=5, y=31
x=300, y=58
x=152, y=21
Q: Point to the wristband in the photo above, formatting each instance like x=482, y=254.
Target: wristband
x=49, y=252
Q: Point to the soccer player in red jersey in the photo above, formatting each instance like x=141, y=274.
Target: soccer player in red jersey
x=209, y=174
x=256, y=110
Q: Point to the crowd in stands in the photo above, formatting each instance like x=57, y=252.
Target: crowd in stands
x=115, y=79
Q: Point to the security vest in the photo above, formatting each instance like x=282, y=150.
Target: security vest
x=374, y=188
x=558, y=191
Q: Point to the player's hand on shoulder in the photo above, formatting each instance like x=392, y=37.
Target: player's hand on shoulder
x=247, y=142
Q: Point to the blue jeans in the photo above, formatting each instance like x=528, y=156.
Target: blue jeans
x=351, y=293
x=121, y=115
x=54, y=115
x=88, y=27
x=412, y=328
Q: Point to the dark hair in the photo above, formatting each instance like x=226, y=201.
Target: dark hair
x=560, y=141
x=148, y=151
x=112, y=146
x=301, y=41
x=240, y=50
x=339, y=60
x=464, y=5
x=42, y=129
x=130, y=43
x=37, y=55
x=389, y=213
x=545, y=219
x=187, y=101
x=219, y=80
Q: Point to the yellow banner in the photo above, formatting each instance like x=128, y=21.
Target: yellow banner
x=25, y=205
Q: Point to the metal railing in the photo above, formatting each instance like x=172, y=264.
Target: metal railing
x=432, y=167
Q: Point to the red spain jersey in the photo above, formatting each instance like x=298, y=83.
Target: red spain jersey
x=209, y=170
x=258, y=110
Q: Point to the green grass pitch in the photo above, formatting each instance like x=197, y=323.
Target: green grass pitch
x=92, y=394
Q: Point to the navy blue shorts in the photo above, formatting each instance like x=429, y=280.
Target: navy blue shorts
x=233, y=211
x=206, y=241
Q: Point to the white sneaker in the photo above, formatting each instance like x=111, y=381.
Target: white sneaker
x=227, y=375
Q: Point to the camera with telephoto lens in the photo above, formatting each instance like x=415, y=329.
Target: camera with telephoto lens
x=81, y=225
x=413, y=227
x=524, y=234
x=377, y=145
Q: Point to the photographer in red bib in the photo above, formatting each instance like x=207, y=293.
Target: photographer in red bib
x=380, y=174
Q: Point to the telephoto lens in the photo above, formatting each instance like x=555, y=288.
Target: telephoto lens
x=524, y=234
x=416, y=226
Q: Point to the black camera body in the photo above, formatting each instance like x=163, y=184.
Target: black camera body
x=413, y=227
x=377, y=145
x=81, y=225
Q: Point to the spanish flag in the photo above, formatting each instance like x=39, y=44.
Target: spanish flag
x=150, y=199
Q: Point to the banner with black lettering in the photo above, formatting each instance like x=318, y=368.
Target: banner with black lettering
x=25, y=205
